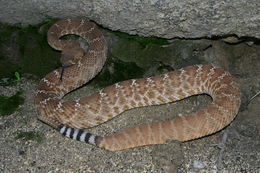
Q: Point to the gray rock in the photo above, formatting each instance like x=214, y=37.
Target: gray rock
x=162, y=18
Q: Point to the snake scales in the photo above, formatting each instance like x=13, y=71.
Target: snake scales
x=71, y=117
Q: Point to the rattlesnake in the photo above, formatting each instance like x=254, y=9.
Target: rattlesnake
x=71, y=117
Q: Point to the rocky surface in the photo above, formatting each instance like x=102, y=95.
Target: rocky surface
x=161, y=18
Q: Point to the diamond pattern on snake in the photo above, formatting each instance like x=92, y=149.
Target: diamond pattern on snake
x=71, y=118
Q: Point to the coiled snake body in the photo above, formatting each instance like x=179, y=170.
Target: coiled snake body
x=71, y=117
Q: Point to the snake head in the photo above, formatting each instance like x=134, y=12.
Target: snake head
x=70, y=55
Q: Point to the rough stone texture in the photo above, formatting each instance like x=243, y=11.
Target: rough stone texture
x=162, y=18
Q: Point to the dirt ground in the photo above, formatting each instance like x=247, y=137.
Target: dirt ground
x=234, y=149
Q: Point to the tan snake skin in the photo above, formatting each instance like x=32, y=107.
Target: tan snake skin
x=71, y=117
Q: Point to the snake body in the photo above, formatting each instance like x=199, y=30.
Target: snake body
x=71, y=118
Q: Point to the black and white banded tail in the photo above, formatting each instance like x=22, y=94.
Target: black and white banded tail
x=78, y=134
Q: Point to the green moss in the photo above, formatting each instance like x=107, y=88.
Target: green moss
x=6, y=33
x=116, y=70
x=36, y=52
x=29, y=136
x=175, y=54
x=143, y=41
x=30, y=52
x=126, y=50
x=9, y=105
x=11, y=81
